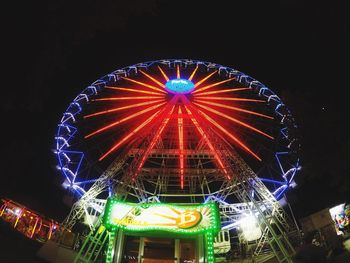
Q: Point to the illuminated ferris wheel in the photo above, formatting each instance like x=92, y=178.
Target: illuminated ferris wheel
x=181, y=131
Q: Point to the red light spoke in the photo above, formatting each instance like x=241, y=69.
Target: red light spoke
x=127, y=137
x=144, y=84
x=136, y=90
x=210, y=145
x=220, y=91
x=234, y=120
x=194, y=72
x=124, y=120
x=158, y=108
x=129, y=98
x=153, y=79
x=234, y=108
x=212, y=85
x=230, y=99
x=163, y=73
x=204, y=79
x=234, y=138
x=153, y=142
x=122, y=108
x=180, y=126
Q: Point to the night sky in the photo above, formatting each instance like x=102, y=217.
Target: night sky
x=53, y=50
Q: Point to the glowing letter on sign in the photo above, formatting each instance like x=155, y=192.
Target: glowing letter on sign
x=188, y=219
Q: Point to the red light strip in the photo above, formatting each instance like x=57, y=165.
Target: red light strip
x=129, y=98
x=220, y=91
x=122, y=108
x=127, y=137
x=212, y=85
x=136, y=90
x=194, y=72
x=177, y=71
x=180, y=125
x=204, y=79
x=217, y=125
x=234, y=120
x=210, y=145
x=230, y=98
x=144, y=84
x=235, y=108
x=163, y=73
x=151, y=78
x=153, y=142
x=123, y=120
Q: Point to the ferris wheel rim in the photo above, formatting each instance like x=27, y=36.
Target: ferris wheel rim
x=75, y=108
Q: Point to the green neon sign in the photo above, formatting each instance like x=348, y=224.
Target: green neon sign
x=173, y=218
x=181, y=219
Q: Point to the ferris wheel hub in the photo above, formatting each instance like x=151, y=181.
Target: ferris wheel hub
x=179, y=86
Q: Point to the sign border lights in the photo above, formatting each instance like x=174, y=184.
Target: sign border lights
x=113, y=205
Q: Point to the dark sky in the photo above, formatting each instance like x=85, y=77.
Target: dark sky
x=53, y=50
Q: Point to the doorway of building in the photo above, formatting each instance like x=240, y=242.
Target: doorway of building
x=158, y=250
x=187, y=251
x=131, y=251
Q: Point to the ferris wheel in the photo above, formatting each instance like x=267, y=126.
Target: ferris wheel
x=176, y=130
